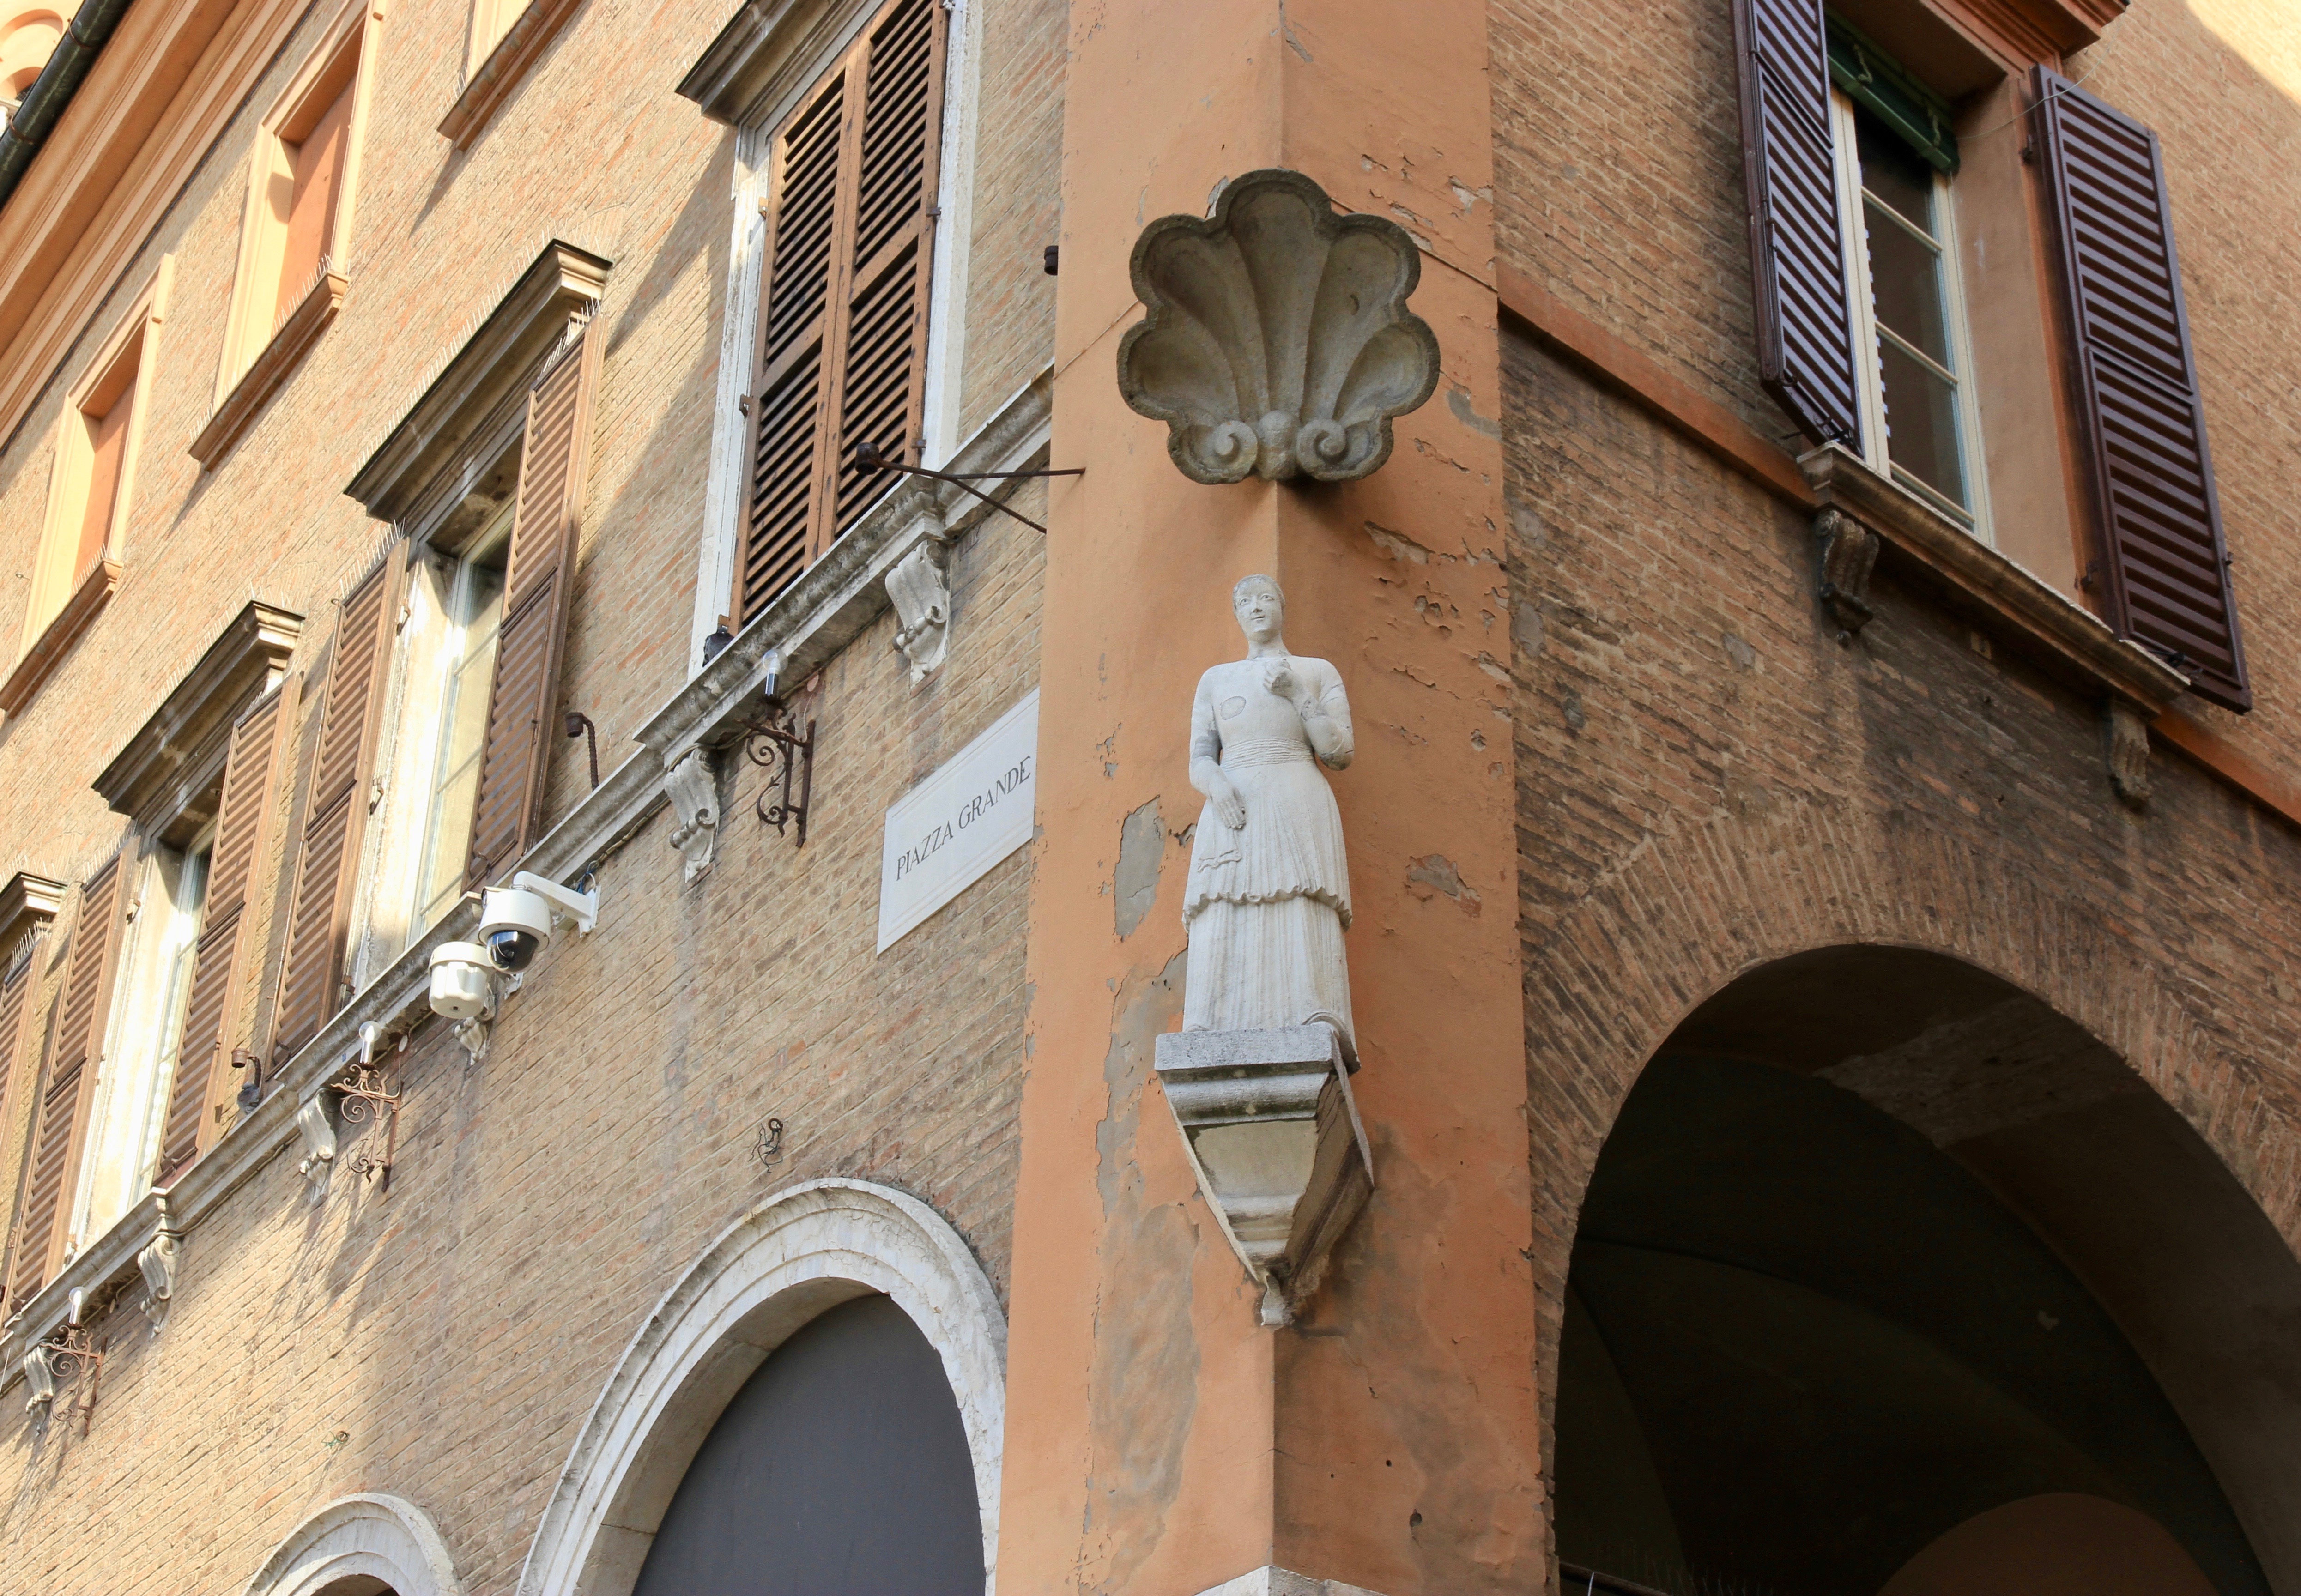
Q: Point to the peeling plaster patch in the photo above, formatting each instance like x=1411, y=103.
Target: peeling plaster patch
x=1142, y=851
x=1143, y=1382
x=1526, y=521
x=1108, y=748
x=1398, y=545
x=1526, y=629
x=1743, y=655
x=1457, y=400
x=1287, y=30
x=1434, y=874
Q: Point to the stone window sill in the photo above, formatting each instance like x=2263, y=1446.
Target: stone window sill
x=246, y=401
x=94, y=590
x=2069, y=643
x=501, y=72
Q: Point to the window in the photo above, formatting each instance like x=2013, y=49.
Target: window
x=91, y=486
x=840, y=345
x=472, y=610
x=1912, y=362
x=295, y=241
x=145, y=1038
x=409, y=808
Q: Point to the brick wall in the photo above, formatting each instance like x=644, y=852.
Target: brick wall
x=1708, y=779
x=444, y=1341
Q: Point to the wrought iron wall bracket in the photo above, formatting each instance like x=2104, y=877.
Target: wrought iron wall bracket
x=69, y=1354
x=366, y=1100
x=870, y=457
x=788, y=758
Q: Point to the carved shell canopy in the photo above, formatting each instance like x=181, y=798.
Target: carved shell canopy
x=1278, y=340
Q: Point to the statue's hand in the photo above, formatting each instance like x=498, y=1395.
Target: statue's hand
x=1229, y=807
x=1278, y=676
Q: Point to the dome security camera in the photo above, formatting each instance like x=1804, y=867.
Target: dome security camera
x=514, y=924
x=516, y=921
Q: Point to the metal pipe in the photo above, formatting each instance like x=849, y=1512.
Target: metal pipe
x=44, y=103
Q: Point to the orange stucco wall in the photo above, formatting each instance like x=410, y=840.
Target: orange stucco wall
x=1163, y=1441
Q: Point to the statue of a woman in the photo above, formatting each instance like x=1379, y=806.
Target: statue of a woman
x=1269, y=896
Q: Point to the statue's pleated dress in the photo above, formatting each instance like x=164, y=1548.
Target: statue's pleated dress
x=1268, y=903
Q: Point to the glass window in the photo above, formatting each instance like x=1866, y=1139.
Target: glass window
x=145, y=1036
x=466, y=669
x=1919, y=418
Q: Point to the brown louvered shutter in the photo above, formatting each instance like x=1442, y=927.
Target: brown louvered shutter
x=319, y=911
x=16, y=987
x=1798, y=256
x=243, y=824
x=2165, y=565
x=80, y=1017
x=842, y=329
x=506, y=810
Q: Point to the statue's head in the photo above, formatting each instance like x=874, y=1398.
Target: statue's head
x=1260, y=608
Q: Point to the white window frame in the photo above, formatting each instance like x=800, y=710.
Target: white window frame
x=1861, y=303
x=134, y=1076
x=724, y=497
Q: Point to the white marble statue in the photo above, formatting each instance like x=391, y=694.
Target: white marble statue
x=1269, y=896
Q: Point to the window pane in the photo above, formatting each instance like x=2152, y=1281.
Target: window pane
x=1891, y=171
x=477, y=614
x=1905, y=281
x=1921, y=423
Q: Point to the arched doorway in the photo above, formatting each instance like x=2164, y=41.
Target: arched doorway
x=840, y=1469
x=766, y=1396
x=1880, y=1254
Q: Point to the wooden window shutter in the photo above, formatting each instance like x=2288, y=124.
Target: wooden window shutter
x=243, y=819
x=506, y=811
x=2165, y=565
x=17, y=983
x=842, y=329
x=1798, y=258
x=79, y=1043
x=319, y=911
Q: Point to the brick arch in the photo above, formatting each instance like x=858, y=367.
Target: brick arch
x=1701, y=906
x=1696, y=909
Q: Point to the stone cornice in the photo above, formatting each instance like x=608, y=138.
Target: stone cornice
x=166, y=86
x=500, y=354
x=27, y=901
x=739, y=72
x=195, y=716
x=823, y=612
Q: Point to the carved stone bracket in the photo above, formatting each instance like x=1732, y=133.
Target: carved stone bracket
x=318, y=1134
x=40, y=1382
x=919, y=584
x=158, y=1263
x=1273, y=1134
x=1277, y=339
x=2125, y=739
x=692, y=787
x=1847, y=553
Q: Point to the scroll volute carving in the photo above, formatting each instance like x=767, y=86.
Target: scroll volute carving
x=1278, y=341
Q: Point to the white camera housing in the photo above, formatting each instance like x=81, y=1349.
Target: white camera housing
x=463, y=982
x=517, y=922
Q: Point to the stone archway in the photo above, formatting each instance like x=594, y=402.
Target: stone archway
x=788, y=1261
x=2009, y=1262
x=357, y=1545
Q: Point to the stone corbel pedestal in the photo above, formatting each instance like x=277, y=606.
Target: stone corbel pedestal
x=1274, y=1135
